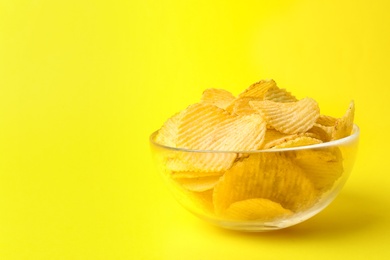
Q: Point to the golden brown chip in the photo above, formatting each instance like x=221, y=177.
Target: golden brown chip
x=217, y=97
x=289, y=118
x=258, y=89
x=321, y=132
x=322, y=166
x=206, y=127
x=279, y=95
x=298, y=141
x=344, y=125
x=167, y=135
x=259, y=209
x=194, y=174
x=274, y=137
x=265, y=175
x=198, y=184
x=326, y=120
x=241, y=106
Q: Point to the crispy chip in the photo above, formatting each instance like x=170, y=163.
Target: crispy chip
x=217, y=97
x=265, y=175
x=167, y=135
x=322, y=166
x=279, y=95
x=274, y=137
x=321, y=132
x=298, y=141
x=259, y=209
x=344, y=125
x=241, y=106
x=289, y=118
x=207, y=127
x=326, y=120
x=258, y=89
x=198, y=184
x=191, y=174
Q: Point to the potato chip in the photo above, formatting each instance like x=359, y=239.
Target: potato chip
x=265, y=175
x=289, y=118
x=258, y=209
x=344, y=125
x=321, y=132
x=258, y=89
x=194, y=174
x=167, y=135
x=207, y=127
x=241, y=106
x=194, y=200
x=273, y=137
x=198, y=184
x=322, y=166
x=217, y=97
x=326, y=120
x=298, y=141
x=279, y=95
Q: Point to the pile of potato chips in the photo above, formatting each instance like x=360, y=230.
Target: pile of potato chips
x=217, y=164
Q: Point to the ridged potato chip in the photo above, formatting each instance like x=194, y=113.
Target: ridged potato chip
x=265, y=175
x=258, y=89
x=217, y=97
x=343, y=126
x=289, y=118
x=192, y=174
x=207, y=127
x=298, y=141
x=279, y=95
x=259, y=209
x=168, y=133
x=321, y=166
x=241, y=106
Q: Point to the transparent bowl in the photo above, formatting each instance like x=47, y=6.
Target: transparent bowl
x=257, y=190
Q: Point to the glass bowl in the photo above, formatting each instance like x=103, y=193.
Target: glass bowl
x=257, y=190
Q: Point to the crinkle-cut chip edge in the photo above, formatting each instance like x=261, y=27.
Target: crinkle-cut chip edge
x=301, y=140
x=279, y=95
x=289, y=118
x=258, y=89
x=220, y=131
x=167, y=135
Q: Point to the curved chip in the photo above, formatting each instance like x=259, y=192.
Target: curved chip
x=258, y=89
x=265, y=175
x=217, y=97
x=344, y=125
x=289, y=118
x=198, y=184
x=259, y=209
x=298, y=141
x=321, y=166
x=279, y=95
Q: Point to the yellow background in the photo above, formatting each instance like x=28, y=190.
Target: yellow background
x=84, y=83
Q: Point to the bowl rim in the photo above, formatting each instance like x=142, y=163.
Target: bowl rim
x=342, y=141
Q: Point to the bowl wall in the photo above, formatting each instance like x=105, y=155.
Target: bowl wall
x=257, y=190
